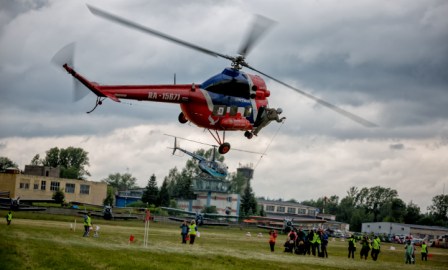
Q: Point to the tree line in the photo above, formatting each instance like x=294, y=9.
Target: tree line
x=372, y=204
x=380, y=204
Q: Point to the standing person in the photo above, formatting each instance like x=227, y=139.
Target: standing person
x=300, y=242
x=184, y=231
x=365, y=247
x=193, y=229
x=324, y=244
x=351, y=246
x=9, y=218
x=424, y=251
x=375, y=248
x=272, y=238
x=316, y=243
x=290, y=241
x=87, y=224
x=409, y=251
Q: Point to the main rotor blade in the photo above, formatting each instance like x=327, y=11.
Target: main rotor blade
x=260, y=25
x=147, y=30
x=345, y=113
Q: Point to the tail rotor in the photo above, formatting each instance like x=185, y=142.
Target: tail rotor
x=65, y=56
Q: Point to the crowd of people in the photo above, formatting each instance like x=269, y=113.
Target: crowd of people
x=189, y=232
x=300, y=242
x=315, y=242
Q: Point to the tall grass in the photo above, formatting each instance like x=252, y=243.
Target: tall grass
x=52, y=244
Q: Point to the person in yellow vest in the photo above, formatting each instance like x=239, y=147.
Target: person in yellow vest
x=365, y=247
x=351, y=246
x=315, y=243
x=424, y=251
x=9, y=218
x=375, y=248
x=87, y=224
x=192, y=231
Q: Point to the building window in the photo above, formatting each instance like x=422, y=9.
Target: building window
x=69, y=188
x=312, y=212
x=24, y=185
x=291, y=210
x=281, y=209
x=36, y=185
x=43, y=185
x=301, y=211
x=270, y=208
x=84, y=189
x=54, y=186
x=229, y=199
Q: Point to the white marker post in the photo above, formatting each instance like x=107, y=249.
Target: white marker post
x=147, y=218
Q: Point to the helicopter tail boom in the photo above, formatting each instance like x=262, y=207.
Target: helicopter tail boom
x=92, y=86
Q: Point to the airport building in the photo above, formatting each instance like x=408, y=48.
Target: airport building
x=40, y=183
x=226, y=204
x=279, y=209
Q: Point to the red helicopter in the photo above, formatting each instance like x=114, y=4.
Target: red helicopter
x=229, y=101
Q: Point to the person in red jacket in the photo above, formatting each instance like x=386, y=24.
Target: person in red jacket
x=272, y=239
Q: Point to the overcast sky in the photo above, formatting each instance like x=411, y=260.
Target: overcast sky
x=386, y=61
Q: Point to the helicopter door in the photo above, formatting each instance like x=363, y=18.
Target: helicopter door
x=261, y=115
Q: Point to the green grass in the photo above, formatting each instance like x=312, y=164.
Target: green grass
x=42, y=241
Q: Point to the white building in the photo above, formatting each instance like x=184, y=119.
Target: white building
x=226, y=204
x=390, y=228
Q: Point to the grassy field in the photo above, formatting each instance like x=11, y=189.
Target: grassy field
x=42, y=241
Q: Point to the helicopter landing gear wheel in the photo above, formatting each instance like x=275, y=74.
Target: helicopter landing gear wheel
x=224, y=148
x=248, y=135
x=182, y=119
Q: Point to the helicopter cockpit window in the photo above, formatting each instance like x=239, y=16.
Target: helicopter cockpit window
x=247, y=111
x=219, y=110
x=231, y=88
x=229, y=83
x=233, y=110
x=221, y=168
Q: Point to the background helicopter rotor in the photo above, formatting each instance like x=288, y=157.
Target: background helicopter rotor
x=259, y=27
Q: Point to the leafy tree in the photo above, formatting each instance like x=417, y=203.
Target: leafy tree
x=393, y=211
x=248, y=202
x=109, y=200
x=6, y=163
x=121, y=182
x=58, y=196
x=171, y=180
x=331, y=204
x=36, y=160
x=328, y=205
x=164, y=196
x=210, y=209
x=180, y=184
x=237, y=183
x=71, y=161
x=151, y=193
x=374, y=199
x=439, y=208
x=345, y=209
x=412, y=214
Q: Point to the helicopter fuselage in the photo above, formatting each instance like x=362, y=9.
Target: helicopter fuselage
x=227, y=101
